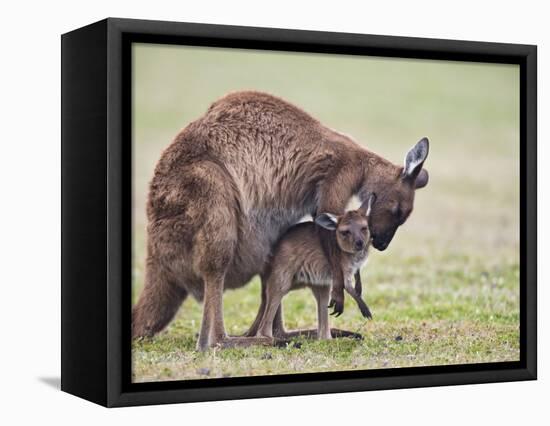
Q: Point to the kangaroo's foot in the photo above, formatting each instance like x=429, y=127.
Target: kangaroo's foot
x=336, y=333
x=312, y=334
x=243, y=342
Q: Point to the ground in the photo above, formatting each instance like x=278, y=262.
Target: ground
x=446, y=291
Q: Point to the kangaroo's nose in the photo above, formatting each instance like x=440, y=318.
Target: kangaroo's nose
x=359, y=245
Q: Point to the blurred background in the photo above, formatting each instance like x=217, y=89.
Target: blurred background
x=446, y=291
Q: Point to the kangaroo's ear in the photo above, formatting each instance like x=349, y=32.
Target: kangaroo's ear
x=422, y=179
x=366, y=207
x=414, y=160
x=327, y=221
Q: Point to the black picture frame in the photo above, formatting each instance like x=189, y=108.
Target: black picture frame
x=96, y=201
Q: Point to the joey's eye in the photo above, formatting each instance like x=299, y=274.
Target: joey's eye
x=344, y=233
x=364, y=229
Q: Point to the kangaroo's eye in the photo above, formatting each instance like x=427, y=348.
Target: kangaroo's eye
x=344, y=233
x=364, y=229
x=402, y=217
x=395, y=209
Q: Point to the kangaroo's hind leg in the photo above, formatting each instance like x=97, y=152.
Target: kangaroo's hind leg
x=253, y=330
x=277, y=285
x=322, y=296
x=279, y=331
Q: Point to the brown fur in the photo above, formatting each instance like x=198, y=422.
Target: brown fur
x=299, y=261
x=230, y=184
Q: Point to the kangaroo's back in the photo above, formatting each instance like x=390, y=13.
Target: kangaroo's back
x=275, y=152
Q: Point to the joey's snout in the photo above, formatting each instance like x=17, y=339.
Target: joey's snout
x=359, y=245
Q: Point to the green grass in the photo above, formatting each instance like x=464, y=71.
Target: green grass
x=447, y=289
x=447, y=317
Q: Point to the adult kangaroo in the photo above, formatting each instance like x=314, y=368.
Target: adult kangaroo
x=232, y=182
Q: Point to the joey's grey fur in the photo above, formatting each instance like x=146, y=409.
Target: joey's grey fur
x=299, y=260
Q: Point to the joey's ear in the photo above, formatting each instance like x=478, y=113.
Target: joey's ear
x=414, y=160
x=366, y=207
x=327, y=221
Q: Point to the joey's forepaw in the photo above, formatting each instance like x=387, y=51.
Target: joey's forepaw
x=367, y=314
x=337, y=307
x=365, y=311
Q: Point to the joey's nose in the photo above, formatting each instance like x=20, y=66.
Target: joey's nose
x=359, y=245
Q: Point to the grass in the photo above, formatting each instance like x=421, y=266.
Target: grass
x=447, y=289
x=448, y=317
